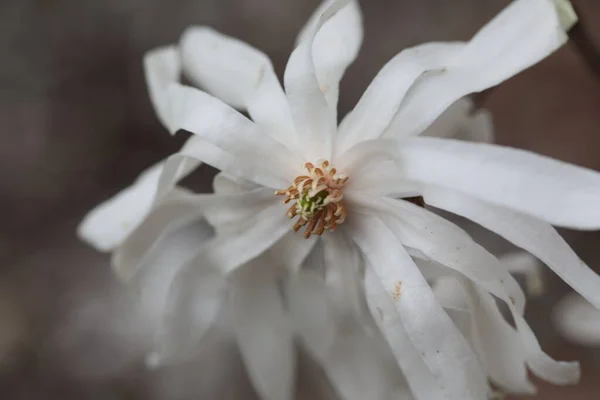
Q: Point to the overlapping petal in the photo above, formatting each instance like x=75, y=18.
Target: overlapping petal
x=263, y=332
x=162, y=67
x=314, y=118
x=524, y=33
x=335, y=46
x=441, y=346
x=553, y=191
x=240, y=75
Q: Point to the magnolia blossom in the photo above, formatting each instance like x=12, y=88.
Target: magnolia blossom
x=345, y=188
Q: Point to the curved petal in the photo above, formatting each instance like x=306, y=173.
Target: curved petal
x=335, y=46
x=342, y=274
x=578, y=321
x=111, y=222
x=551, y=190
x=527, y=265
x=175, y=211
x=263, y=332
x=225, y=184
x=314, y=119
x=292, y=251
x=442, y=347
x=524, y=33
x=530, y=234
x=229, y=131
x=440, y=245
x=461, y=121
x=311, y=313
x=162, y=67
x=419, y=377
x=240, y=75
x=380, y=102
x=497, y=343
x=445, y=243
x=256, y=235
x=183, y=305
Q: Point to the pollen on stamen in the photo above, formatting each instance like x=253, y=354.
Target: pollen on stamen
x=318, y=199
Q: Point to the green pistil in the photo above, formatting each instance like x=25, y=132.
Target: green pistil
x=310, y=205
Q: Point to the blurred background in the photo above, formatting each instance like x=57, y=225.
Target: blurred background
x=77, y=126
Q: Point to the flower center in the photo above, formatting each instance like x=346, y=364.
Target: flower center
x=318, y=198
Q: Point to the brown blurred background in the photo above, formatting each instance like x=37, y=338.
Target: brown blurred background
x=77, y=125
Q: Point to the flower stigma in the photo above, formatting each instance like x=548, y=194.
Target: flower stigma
x=318, y=198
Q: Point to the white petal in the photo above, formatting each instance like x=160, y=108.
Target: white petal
x=255, y=236
x=524, y=33
x=343, y=274
x=532, y=235
x=229, y=131
x=578, y=321
x=419, y=377
x=314, y=119
x=162, y=67
x=311, y=312
x=240, y=75
x=442, y=346
x=176, y=210
x=498, y=344
x=292, y=251
x=263, y=332
x=111, y=222
x=505, y=289
x=566, y=14
x=554, y=191
x=380, y=102
x=186, y=304
x=524, y=263
x=177, y=167
x=461, y=121
x=225, y=184
x=445, y=243
x=335, y=46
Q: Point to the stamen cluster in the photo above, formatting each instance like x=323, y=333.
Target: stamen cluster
x=318, y=198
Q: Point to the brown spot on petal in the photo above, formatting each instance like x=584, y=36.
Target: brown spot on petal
x=397, y=290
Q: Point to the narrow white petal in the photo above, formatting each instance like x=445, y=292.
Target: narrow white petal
x=184, y=305
x=445, y=243
x=335, y=46
x=461, y=121
x=527, y=265
x=530, y=234
x=578, y=321
x=498, y=344
x=225, y=184
x=292, y=251
x=314, y=119
x=255, y=236
x=175, y=210
x=551, y=190
x=380, y=102
x=343, y=274
x=419, y=377
x=311, y=312
x=524, y=33
x=162, y=67
x=223, y=66
x=438, y=246
x=111, y=222
x=263, y=332
x=443, y=348
x=232, y=133
x=240, y=75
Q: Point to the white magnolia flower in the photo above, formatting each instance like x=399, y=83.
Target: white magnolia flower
x=292, y=145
